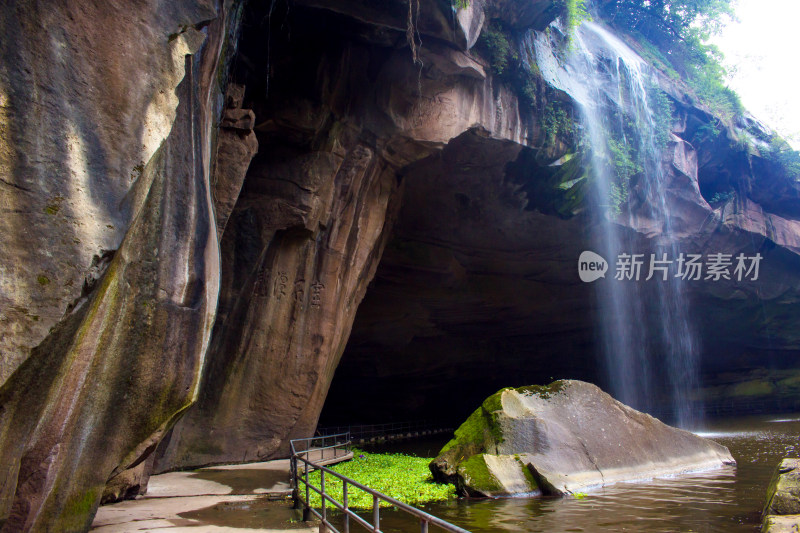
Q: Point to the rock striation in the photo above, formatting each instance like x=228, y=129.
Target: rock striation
x=782, y=508
x=317, y=207
x=565, y=438
x=195, y=209
x=110, y=262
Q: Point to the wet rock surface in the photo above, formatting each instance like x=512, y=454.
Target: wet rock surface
x=118, y=169
x=782, y=509
x=179, y=247
x=310, y=225
x=565, y=438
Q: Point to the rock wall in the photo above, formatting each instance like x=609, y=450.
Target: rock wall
x=342, y=126
x=110, y=268
x=148, y=264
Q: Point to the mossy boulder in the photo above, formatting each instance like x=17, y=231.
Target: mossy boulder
x=479, y=434
x=562, y=438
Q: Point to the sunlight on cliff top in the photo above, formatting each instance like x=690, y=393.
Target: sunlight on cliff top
x=761, y=56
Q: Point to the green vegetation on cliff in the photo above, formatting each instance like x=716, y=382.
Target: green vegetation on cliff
x=575, y=12
x=403, y=477
x=673, y=34
x=787, y=159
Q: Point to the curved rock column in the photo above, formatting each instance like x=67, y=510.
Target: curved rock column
x=345, y=120
x=112, y=374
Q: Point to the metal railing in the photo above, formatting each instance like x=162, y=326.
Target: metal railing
x=301, y=457
x=339, y=441
x=368, y=431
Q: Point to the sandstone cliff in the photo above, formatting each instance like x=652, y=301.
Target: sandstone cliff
x=148, y=265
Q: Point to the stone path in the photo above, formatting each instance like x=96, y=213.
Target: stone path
x=237, y=498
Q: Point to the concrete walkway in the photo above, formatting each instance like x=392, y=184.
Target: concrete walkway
x=326, y=457
x=236, y=498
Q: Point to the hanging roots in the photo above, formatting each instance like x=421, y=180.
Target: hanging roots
x=414, y=38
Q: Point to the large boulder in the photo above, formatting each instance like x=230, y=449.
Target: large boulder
x=563, y=438
x=782, y=508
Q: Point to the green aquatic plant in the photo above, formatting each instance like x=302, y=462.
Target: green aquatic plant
x=403, y=477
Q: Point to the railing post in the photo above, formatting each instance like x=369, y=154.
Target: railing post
x=295, y=484
x=423, y=525
x=345, y=504
x=322, y=494
x=307, y=508
x=376, y=513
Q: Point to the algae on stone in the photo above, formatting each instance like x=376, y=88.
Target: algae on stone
x=462, y=460
x=475, y=478
x=564, y=438
x=477, y=435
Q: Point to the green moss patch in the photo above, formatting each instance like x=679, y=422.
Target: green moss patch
x=543, y=391
x=481, y=432
x=76, y=512
x=478, y=434
x=403, y=477
x=532, y=484
x=475, y=476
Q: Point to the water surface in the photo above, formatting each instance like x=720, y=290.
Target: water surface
x=726, y=500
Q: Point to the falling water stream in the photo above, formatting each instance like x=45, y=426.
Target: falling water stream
x=612, y=87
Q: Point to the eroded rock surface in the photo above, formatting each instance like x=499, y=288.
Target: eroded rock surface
x=311, y=222
x=564, y=438
x=377, y=135
x=782, y=508
x=98, y=162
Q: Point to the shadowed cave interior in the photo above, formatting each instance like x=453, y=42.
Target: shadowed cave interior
x=477, y=287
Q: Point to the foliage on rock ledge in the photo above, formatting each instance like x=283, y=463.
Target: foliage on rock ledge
x=672, y=35
x=500, y=45
x=574, y=13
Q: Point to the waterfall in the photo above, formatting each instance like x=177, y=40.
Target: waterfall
x=613, y=89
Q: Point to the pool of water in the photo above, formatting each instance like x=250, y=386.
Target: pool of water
x=725, y=500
